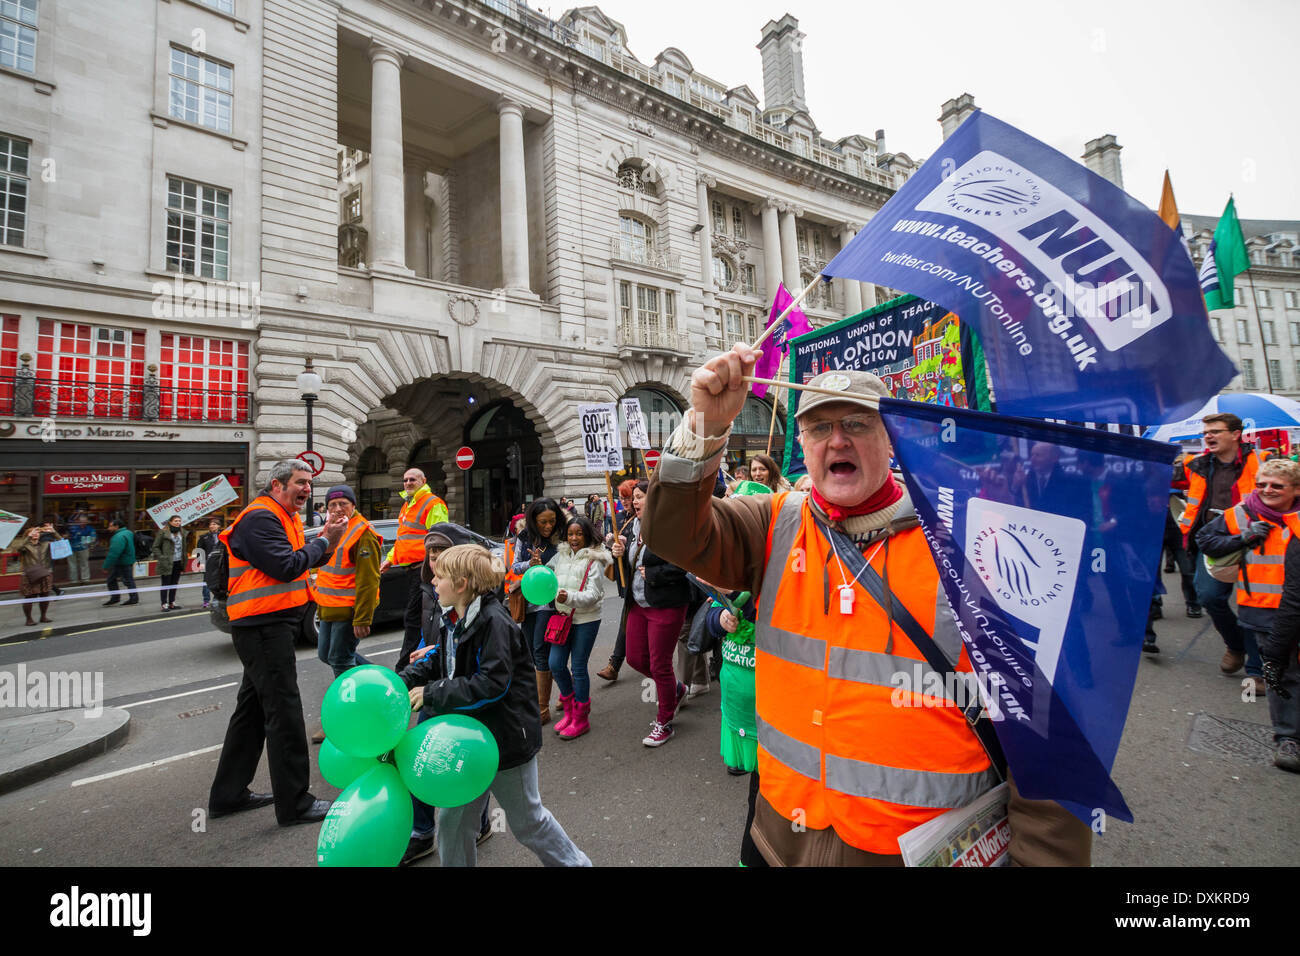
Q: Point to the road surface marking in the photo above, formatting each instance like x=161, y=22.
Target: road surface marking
x=145, y=766
x=201, y=690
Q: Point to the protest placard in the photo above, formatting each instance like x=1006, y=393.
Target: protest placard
x=637, y=437
x=600, y=441
x=195, y=503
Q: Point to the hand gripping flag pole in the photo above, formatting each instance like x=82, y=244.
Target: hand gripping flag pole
x=780, y=320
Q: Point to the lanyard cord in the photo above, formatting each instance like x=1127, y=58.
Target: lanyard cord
x=857, y=577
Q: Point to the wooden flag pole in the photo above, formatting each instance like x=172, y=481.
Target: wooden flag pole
x=771, y=428
x=871, y=399
x=788, y=309
x=609, y=491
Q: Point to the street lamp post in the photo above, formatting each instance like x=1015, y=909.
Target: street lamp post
x=308, y=387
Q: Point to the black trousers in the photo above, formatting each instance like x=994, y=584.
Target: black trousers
x=749, y=855
x=168, y=581
x=412, y=619
x=268, y=709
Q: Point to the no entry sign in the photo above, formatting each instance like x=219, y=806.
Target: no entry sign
x=651, y=457
x=465, y=458
x=315, y=459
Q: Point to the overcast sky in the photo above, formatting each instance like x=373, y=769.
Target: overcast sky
x=1205, y=89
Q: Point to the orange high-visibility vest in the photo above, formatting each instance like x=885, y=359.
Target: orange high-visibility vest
x=833, y=748
x=336, y=581
x=511, y=577
x=1262, y=569
x=412, y=527
x=253, y=592
x=1198, y=488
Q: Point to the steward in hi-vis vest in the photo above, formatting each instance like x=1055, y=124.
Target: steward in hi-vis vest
x=270, y=595
x=846, y=764
x=422, y=510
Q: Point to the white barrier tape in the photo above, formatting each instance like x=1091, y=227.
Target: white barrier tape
x=98, y=594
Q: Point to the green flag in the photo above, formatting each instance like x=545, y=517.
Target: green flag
x=1230, y=259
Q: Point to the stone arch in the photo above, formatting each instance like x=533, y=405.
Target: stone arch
x=654, y=170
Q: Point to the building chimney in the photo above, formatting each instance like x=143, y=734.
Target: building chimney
x=1101, y=155
x=953, y=113
x=782, y=50
x=880, y=142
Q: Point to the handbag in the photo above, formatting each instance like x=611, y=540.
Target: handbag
x=60, y=548
x=35, y=573
x=559, y=624
x=518, y=606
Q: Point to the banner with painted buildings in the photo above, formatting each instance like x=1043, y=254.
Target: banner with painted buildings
x=919, y=349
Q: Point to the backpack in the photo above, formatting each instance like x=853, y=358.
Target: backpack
x=143, y=545
x=216, y=572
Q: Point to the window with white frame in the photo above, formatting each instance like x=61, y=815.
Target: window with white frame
x=645, y=307
x=352, y=206
x=749, y=280
x=1263, y=299
x=738, y=222
x=636, y=240
x=14, y=154
x=1275, y=372
x=818, y=248
x=1217, y=329
x=1248, y=373
x=1268, y=333
x=228, y=6
x=1292, y=299
x=1295, y=333
x=719, y=217
x=1297, y=370
x=201, y=90
x=18, y=35
x=1243, y=332
x=198, y=229
x=723, y=275
x=801, y=238
x=745, y=120
x=1238, y=296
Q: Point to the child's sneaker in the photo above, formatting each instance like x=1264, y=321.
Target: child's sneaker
x=659, y=735
x=205, y=605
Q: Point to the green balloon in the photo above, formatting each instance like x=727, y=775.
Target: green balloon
x=448, y=761
x=339, y=768
x=366, y=711
x=370, y=822
x=539, y=585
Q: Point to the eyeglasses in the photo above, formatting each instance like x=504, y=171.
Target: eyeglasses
x=853, y=426
x=1217, y=431
x=409, y=480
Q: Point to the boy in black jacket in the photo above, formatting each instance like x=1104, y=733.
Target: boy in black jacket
x=480, y=667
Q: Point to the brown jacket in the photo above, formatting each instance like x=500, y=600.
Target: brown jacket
x=724, y=541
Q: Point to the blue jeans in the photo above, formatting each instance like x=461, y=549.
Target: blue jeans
x=337, y=647
x=582, y=638
x=1214, y=596
x=534, y=628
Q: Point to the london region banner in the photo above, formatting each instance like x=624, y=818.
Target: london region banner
x=1047, y=540
x=919, y=349
x=1087, y=304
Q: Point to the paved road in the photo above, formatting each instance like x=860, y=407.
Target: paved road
x=621, y=802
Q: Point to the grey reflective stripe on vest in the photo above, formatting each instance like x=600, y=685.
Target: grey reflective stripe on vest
x=946, y=636
x=1265, y=588
x=795, y=648
x=342, y=572
x=341, y=592
x=786, y=527
x=882, y=670
x=1253, y=558
x=798, y=756
x=236, y=572
x=270, y=589
x=913, y=788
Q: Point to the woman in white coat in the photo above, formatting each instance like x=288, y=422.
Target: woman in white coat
x=579, y=565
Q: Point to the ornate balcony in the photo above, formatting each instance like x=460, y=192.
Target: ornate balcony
x=636, y=252
x=638, y=341
x=26, y=396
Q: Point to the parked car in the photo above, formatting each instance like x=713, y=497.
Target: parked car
x=392, y=585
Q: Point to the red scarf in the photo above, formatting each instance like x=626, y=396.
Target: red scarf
x=885, y=495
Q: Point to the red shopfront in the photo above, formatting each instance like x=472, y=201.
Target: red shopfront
x=106, y=481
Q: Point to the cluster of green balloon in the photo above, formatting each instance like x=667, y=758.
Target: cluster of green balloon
x=447, y=762
x=539, y=585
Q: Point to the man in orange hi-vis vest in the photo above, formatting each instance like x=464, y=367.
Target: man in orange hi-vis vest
x=269, y=596
x=420, y=512
x=845, y=766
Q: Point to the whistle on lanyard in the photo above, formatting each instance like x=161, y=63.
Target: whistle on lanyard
x=846, y=599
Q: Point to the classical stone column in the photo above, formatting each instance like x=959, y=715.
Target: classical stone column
x=868, y=292
x=771, y=247
x=790, y=250
x=850, y=290
x=387, y=231
x=417, y=221
x=703, y=184
x=514, y=197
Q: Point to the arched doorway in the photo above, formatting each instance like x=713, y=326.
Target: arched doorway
x=661, y=414
x=375, y=485
x=507, y=471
